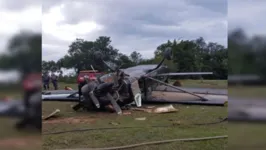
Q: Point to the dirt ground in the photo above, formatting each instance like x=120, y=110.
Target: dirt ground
x=22, y=143
x=70, y=120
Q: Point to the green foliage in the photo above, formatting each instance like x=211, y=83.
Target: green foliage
x=69, y=79
x=196, y=55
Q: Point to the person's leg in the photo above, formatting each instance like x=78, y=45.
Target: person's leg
x=56, y=85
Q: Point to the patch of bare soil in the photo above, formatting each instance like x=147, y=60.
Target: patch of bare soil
x=71, y=120
x=23, y=142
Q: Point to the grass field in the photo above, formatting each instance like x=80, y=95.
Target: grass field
x=179, y=126
x=241, y=136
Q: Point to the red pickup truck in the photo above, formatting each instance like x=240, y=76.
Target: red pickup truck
x=93, y=74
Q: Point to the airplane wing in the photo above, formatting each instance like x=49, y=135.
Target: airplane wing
x=185, y=73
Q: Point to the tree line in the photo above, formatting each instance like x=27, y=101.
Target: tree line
x=188, y=56
x=246, y=54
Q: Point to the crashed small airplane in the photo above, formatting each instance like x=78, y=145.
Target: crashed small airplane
x=28, y=110
x=143, y=83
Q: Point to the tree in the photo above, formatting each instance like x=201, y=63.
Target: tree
x=188, y=56
x=81, y=54
x=52, y=66
x=135, y=57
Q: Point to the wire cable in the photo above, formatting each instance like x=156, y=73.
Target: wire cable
x=153, y=143
x=130, y=127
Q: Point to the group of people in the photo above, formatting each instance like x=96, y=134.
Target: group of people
x=46, y=78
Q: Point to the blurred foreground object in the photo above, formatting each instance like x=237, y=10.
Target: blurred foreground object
x=28, y=110
x=24, y=55
x=246, y=110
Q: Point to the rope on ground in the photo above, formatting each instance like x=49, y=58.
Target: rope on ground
x=153, y=143
x=113, y=128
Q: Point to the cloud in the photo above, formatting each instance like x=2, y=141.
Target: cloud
x=16, y=16
x=247, y=14
x=131, y=24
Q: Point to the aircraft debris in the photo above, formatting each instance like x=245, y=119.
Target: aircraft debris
x=158, y=110
x=141, y=119
x=114, y=123
x=132, y=85
x=53, y=114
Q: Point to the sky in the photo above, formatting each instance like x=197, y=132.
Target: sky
x=132, y=24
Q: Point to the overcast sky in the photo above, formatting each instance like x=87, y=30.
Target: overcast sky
x=132, y=24
x=16, y=15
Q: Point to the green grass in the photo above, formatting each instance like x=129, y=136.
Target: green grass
x=204, y=83
x=185, y=116
x=242, y=136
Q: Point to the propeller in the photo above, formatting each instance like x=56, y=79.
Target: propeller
x=168, y=54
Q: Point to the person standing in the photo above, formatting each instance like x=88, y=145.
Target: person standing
x=54, y=81
x=46, y=81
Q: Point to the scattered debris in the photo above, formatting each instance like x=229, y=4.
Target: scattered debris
x=157, y=110
x=68, y=88
x=141, y=119
x=53, y=114
x=164, y=109
x=114, y=123
x=176, y=122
